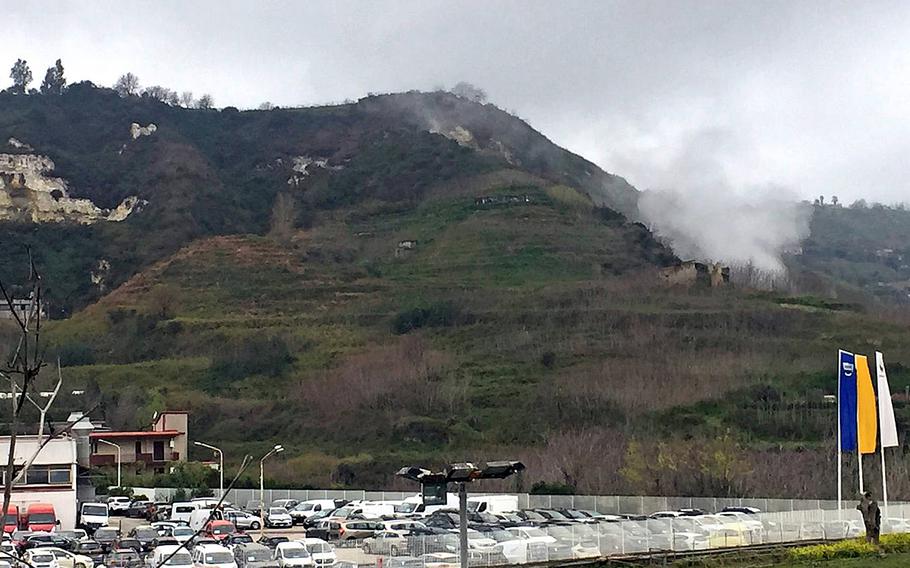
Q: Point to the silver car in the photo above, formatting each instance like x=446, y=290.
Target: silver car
x=243, y=520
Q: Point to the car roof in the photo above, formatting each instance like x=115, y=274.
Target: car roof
x=212, y=547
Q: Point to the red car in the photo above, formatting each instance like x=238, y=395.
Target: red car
x=219, y=530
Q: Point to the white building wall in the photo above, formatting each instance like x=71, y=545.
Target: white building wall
x=58, y=452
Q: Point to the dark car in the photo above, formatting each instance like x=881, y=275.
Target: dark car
x=236, y=538
x=123, y=558
x=146, y=536
x=313, y=520
x=47, y=539
x=137, y=510
x=125, y=543
x=443, y=519
x=106, y=537
x=90, y=548
x=253, y=555
x=273, y=541
x=326, y=530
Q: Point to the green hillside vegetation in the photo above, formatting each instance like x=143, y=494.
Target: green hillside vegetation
x=416, y=300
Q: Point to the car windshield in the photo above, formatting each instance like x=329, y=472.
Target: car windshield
x=218, y=558
x=534, y=532
x=180, y=559
x=184, y=509
x=89, y=546
x=304, y=507
x=343, y=512
x=294, y=552
x=182, y=531
x=146, y=533
x=11, y=519
x=500, y=536
x=94, y=510
x=406, y=508
x=278, y=511
x=102, y=534
x=222, y=529
x=42, y=558
x=318, y=547
x=242, y=538
x=41, y=518
x=534, y=516
x=261, y=555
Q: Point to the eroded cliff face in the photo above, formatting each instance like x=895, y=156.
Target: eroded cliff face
x=29, y=193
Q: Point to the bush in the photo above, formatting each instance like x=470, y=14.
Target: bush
x=242, y=358
x=180, y=496
x=76, y=353
x=854, y=548
x=438, y=314
x=551, y=488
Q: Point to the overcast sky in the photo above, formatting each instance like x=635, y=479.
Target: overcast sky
x=811, y=97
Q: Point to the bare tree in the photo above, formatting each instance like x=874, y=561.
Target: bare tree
x=186, y=99
x=284, y=218
x=127, y=85
x=163, y=94
x=205, y=102
x=266, y=106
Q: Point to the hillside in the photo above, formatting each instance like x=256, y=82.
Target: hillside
x=412, y=278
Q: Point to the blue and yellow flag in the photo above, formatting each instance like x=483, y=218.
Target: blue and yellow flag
x=866, y=413
x=846, y=401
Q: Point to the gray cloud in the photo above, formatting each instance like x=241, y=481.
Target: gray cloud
x=818, y=91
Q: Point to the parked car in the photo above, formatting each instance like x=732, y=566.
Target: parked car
x=90, y=548
x=74, y=535
x=285, y=503
x=302, y=511
x=181, y=511
x=243, y=520
x=128, y=543
x=219, y=530
x=66, y=559
x=278, y=517
x=236, y=539
x=181, y=533
x=106, y=537
x=292, y=555
x=123, y=558
x=118, y=505
x=253, y=507
x=212, y=556
x=172, y=554
x=386, y=543
x=316, y=518
x=40, y=558
x=273, y=541
x=322, y=552
x=253, y=555
x=37, y=540
x=146, y=535
x=136, y=510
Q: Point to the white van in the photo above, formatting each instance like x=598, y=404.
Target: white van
x=213, y=556
x=309, y=508
x=292, y=555
x=493, y=504
x=181, y=511
x=200, y=517
x=413, y=506
x=323, y=553
x=181, y=559
x=93, y=515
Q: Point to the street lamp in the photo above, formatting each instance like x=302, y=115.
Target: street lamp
x=220, y=466
x=118, y=458
x=278, y=448
x=435, y=483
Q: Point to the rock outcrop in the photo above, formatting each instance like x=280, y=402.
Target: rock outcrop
x=136, y=130
x=29, y=193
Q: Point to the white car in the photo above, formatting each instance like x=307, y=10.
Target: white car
x=118, y=504
x=213, y=556
x=182, y=533
x=178, y=557
x=40, y=558
x=243, y=520
x=278, y=517
x=323, y=553
x=67, y=559
x=292, y=555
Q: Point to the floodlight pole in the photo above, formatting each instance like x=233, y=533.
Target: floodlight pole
x=463, y=523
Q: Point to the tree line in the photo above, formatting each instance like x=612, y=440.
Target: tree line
x=127, y=85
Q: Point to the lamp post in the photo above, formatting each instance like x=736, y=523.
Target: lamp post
x=278, y=448
x=118, y=458
x=220, y=466
x=434, y=484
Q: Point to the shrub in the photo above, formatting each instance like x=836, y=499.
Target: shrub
x=854, y=548
x=75, y=353
x=438, y=314
x=242, y=358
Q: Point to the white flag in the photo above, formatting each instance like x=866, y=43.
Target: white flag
x=885, y=410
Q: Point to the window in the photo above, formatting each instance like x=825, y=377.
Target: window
x=138, y=447
x=48, y=475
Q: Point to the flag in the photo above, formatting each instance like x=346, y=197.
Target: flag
x=867, y=415
x=846, y=401
x=885, y=409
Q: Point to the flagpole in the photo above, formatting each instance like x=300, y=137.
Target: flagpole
x=859, y=450
x=884, y=483
x=840, y=460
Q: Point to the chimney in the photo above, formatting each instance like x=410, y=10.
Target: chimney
x=80, y=432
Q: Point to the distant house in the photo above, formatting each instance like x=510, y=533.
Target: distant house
x=500, y=200
x=20, y=307
x=165, y=442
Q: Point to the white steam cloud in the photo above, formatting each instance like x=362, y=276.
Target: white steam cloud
x=692, y=202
